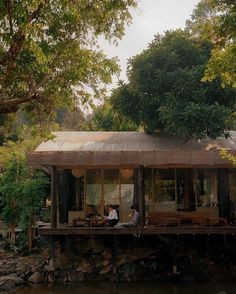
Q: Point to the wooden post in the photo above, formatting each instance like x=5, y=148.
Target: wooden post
x=188, y=190
x=174, y=257
x=54, y=198
x=66, y=194
x=141, y=195
x=223, y=192
x=114, y=254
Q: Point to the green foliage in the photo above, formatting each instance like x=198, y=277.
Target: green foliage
x=222, y=63
x=7, y=128
x=165, y=91
x=11, y=189
x=219, y=26
x=105, y=118
x=22, y=192
x=23, y=143
x=49, y=54
x=204, y=20
x=34, y=193
x=225, y=154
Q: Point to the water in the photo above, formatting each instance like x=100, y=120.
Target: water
x=131, y=288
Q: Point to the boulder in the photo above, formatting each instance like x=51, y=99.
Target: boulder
x=51, y=278
x=36, y=278
x=49, y=267
x=106, y=270
x=9, y=282
x=84, y=268
x=75, y=277
x=106, y=262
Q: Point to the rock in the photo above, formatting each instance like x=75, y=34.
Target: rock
x=36, y=278
x=51, y=278
x=107, y=254
x=49, y=267
x=106, y=262
x=122, y=260
x=84, y=268
x=13, y=275
x=106, y=270
x=45, y=253
x=75, y=277
x=9, y=282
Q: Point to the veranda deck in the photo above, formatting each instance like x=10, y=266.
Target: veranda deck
x=148, y=230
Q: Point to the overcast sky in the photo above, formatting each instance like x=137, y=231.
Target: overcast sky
x=151, y=17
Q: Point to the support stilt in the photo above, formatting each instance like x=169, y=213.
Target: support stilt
x=114, y=254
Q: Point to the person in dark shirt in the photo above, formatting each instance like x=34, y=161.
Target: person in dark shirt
x=133, y=219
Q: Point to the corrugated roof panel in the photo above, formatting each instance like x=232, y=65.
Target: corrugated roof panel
x=127, y=141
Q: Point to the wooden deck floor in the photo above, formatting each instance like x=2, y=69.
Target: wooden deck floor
x=183, y=230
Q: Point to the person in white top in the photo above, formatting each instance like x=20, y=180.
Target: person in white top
x=112, y=216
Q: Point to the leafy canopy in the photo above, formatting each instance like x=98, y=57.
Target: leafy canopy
x=216, y=21
x=106, y=118
x=165, y=91
x=22, y=191
x=48, y=52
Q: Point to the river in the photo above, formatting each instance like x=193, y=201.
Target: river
x=131, y=288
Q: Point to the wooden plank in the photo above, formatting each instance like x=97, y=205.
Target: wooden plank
x=54, y=197
x=141, y=195
x=139, y=231
x=223, y=192
x=170, y=158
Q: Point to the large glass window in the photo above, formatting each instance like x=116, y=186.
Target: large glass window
x=127, y=193
x=93, y=193
x=79, y=193
x=164, y=189
x=111, y=188
x=232, y=191
x=206, y=188
x=148, y=173
x=180, y=187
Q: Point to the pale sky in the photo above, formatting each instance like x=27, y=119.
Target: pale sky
x=150, y=17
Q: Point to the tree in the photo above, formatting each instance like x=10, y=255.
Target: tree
x=223, y=62
x=22, y=191
x=165, y=92
x=105, y=118
x=204, y=20
x=216, y=21
x=48, y=55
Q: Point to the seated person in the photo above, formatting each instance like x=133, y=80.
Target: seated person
x=133, y=219
x=112, y=216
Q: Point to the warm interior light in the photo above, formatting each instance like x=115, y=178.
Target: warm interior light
x=127, y=172
x=78, y=172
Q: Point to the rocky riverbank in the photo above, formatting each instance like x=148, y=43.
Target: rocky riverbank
x=127, y=259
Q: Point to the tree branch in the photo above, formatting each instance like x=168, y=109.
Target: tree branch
x=19, y=37
x=8, y=105
x=9, y=10
x=13, y=104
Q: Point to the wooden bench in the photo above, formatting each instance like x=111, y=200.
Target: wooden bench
x=194, y=218
x=163, y=218
x=216, y=221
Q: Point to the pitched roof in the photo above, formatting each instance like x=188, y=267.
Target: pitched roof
x=128, y=148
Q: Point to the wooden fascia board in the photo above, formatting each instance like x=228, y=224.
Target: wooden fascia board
x=170, y=158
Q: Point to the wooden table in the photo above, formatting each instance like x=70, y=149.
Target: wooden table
x=170, y=221
x=98, y=222
x=216, y=221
